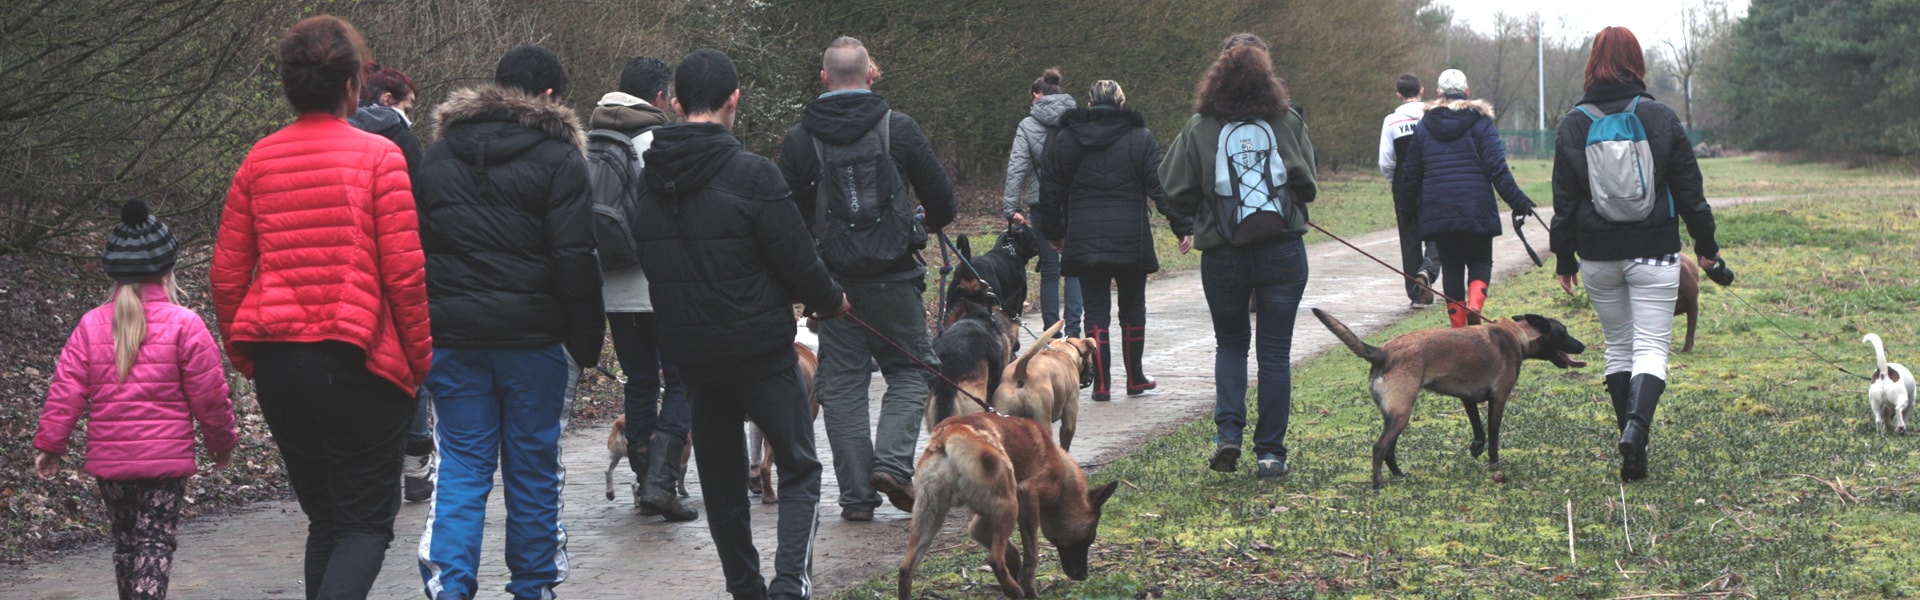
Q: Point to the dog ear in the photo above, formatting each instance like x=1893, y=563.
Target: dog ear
x=1098, y=497
x=1539, y=323
x=966, y=249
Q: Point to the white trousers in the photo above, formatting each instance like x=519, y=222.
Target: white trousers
x=1635, y=304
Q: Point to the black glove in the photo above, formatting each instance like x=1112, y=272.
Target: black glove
x=1719, y=272
x=1524, y=210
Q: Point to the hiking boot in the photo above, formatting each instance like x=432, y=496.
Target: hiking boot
x=857, y=515
x=1423, y=294
x=417, y=477
x=1226, y=456
x=637, y=460
x=899, y=495
x=1272, y=467
x=658, y=493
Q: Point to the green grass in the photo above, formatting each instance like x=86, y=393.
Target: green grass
x=1750, y=434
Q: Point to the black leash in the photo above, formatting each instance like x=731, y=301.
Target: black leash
x=1415, y=280
x=1518, y=223
x=916, y=359
x=1783, y=331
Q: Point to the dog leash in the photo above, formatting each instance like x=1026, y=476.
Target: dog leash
x=1783, y=331
x=1519, y=223
x=923, y=364
x=1415, y=280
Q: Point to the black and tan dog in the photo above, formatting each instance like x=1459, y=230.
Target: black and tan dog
x=973, y=353
x=1044, y=383
x=1475, y=364
x=1001, y=273
x=1009, y=473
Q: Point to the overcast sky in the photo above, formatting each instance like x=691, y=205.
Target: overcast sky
x=1651, y=20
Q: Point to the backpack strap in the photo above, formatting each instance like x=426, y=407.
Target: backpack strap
x=1592, y=113
x=819, y=204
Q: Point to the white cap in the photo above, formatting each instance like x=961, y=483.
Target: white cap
x=1452, y=81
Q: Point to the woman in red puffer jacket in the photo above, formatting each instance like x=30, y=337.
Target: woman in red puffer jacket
x=320, y=288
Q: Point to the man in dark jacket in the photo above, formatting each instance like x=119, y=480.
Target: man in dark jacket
x=515, y=295
x=728, y=255
x=656, y=402
x=890, y=302
x=1454, y=165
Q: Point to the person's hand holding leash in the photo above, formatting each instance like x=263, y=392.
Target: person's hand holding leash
x=844, y=308
x=1716, y=269
x=1018, y=219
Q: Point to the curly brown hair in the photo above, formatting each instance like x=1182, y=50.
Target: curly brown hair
x=1241, y=83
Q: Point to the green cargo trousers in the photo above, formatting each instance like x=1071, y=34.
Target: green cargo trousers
x=846, y=351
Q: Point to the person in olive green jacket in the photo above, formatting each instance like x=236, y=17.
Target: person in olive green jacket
x=1267, y=264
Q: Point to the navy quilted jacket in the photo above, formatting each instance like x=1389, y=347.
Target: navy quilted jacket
x=1453, y=166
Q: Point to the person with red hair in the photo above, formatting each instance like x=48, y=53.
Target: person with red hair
x=1632, y=267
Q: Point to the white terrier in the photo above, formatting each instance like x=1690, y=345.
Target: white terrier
x=1891, y=393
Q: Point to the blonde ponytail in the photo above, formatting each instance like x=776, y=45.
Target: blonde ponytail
x=130, y=319
x=129, y=326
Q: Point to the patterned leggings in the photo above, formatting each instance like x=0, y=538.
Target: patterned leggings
x=146, y=514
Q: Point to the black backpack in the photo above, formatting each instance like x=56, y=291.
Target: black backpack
x=613, y=177
x=862, y=218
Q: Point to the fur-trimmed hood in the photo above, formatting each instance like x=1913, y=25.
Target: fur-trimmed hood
x=1451, y=117
x=493, y=124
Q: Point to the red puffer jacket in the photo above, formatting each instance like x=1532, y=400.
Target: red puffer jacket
x=319, y=241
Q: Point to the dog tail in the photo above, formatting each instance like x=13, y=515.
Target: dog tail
x=1879, y=352
x=1372, y=353
x=1026, y=355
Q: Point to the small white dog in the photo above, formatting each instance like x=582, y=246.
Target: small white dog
x=1891, y=393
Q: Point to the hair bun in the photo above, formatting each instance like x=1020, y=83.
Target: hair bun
x=1051, y=76
x=134, y=213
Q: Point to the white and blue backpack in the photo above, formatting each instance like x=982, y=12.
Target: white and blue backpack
x=1251, y=180
x=1619, y=164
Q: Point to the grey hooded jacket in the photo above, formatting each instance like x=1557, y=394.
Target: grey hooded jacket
x=1023, y=184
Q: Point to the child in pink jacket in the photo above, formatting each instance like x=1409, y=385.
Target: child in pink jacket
x=144, y=370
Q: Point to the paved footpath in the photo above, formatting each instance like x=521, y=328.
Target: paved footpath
x=615, y=553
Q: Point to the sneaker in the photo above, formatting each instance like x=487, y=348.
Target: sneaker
x=1226, y=457
x=1423, y=297
x=1273, y=467
x=858, y=515
x=900, y=496
x=417, y=477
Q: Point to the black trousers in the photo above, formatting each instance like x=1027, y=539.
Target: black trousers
x=1416, y=256
x=341, y=430
x=1097, y=289
x=1464, y=258
x=778, y=404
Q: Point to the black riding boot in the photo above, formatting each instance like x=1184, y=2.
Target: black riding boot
x=1622, y=395
x=637, y=460
x=663, y=470
x=1646, y=390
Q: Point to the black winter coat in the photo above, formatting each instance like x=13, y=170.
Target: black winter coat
x=1579, y=229
x=1454, y=165
x=1097, y=172
x=727, y=254
x=386, y=122
x=842, y=119
x=507, y=226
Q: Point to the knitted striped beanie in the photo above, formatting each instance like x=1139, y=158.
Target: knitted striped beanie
x=140, y=247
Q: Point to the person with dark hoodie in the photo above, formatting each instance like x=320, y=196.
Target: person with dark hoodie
x=840, y=120
x=1632, y=268
x=1453, y=166
x=728, y=255
x=514, y=286
x=385, y=95
x=1023, y=191
x=656, y=401
x=1097, y=173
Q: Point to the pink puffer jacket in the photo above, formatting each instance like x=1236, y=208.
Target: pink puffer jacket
x=140, y=428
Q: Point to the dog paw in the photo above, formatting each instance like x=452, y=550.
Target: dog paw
x=1478, y=449
x=609, y=494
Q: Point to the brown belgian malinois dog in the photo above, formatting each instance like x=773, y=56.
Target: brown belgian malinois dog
x=1475, y=364
x=1044, y=384
x=1008, y=471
